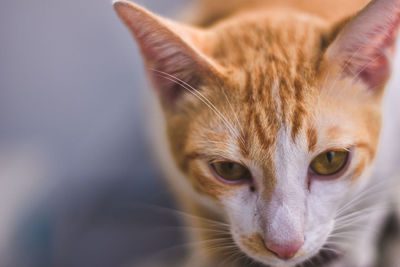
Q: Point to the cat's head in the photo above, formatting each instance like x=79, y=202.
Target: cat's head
x=274, y=116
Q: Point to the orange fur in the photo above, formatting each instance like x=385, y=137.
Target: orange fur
x=262, y=65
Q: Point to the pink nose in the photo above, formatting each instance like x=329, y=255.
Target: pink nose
x=285, y=252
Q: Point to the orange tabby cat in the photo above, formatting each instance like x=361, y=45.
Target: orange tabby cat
x=278, y=141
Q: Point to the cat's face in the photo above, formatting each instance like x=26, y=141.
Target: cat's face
x=274, y=115
x=269, y=119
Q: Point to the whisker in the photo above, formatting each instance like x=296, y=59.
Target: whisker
x=235, y=114
x=200, y=96
x=200, y=229
x=369, y=191
x=185, y=215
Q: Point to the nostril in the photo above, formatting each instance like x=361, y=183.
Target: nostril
x=285, y=252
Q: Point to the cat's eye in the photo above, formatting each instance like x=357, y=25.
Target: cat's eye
x=230, y=171
x=330, y=162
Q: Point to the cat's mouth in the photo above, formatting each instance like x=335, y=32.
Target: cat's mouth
x=325, y=256
x=254, y=249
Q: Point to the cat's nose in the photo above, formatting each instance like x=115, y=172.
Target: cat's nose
x=286, y=251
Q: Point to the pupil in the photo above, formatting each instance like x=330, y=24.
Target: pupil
x=230, y=166
x=329, y=156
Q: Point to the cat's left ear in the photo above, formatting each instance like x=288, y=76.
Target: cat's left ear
x=173, y=52
x=364, y=48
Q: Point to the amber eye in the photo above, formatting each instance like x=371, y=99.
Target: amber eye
x=330, y=162
x=230, y=171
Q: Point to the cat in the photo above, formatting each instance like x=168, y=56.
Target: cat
x=279, y=126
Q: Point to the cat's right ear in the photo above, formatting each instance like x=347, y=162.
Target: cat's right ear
x=365, y=45
x=172, y=51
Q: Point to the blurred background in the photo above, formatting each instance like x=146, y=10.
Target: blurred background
x=78, y=184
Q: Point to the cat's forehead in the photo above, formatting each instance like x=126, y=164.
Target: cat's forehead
x=269, y=39
x=273, y=75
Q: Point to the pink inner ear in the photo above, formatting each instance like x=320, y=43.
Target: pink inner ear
x=170, y=85
x=167, y=69
x=369, y=55
x=373, y=65
x=376, y=73
x=173, y=63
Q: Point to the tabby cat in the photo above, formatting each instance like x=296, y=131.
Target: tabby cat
x=280, y=126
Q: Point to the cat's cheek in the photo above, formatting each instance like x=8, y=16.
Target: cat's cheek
x=316, y=238
x=244, y=219
x=241, y=210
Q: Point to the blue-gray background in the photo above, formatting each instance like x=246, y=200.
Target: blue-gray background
x=76, y=172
